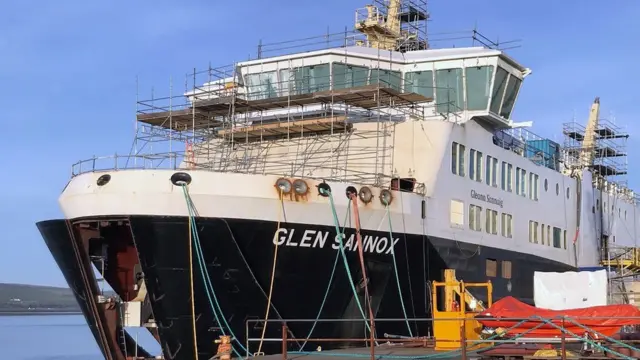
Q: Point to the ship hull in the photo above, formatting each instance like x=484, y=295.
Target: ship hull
x=237, y=260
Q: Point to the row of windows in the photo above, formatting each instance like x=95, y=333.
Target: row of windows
x=547, y=235
x=449, y=84
x=486, y=169
x=475, y=219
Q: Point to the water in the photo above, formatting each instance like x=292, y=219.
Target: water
x=48, y=337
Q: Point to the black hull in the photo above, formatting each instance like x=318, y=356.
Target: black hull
x=239, y=259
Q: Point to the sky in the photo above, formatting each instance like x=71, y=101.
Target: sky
x=68, y=75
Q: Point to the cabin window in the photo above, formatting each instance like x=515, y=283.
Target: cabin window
x=533, y=186
x=542, y=232
x=506, y=269
x=533, y=232
x=348, y=76
x=507, y=177
x=491, y=222
x=564, y=238
x=521, y=180
x=506, y=225
x=478, y=87
x=549, y=235
x=492, y=268
x=261, y=85
x=457, y=158
x=557, y=233
x=456, y=213
x=510, y=96
x=499, y=85
x=449, y=90
x=475, y=217
x=419, y=82
x=475, y=165
x=492, y=171
x=386, y=78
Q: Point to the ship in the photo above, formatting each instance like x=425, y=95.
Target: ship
x=329, y=185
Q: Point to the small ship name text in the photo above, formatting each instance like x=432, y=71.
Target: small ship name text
x=486, y=198
x=318, y=239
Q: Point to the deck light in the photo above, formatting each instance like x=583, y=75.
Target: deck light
x=283, y=185
x=300, y=187
x=386, y=197
x=365, y=194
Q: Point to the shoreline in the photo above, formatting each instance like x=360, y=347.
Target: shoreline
x=38, y=312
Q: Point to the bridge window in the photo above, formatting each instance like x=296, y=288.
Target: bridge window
x=305, y=79
x=499, y=85
x=457, y=159
x=419, y=82
x=478, y=87
x=449, y=90
x=261, y=85
x=475, y=165
x=510, y=96
x=386, y=78
x=348, y=76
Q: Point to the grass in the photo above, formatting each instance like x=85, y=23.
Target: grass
x=20, y=297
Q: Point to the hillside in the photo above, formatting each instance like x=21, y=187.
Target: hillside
x=34, y=298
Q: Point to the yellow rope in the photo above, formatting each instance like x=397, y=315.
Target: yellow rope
x=273, y=273
x=193, y=305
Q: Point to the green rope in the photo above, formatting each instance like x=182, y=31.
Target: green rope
x=601, y=335
x=344, y=256
x=395, y=267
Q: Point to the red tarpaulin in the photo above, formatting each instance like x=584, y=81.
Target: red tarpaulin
x=606, y=319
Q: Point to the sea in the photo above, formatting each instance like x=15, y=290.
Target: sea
x=55, y=337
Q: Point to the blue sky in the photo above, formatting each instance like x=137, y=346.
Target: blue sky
x=68, y=78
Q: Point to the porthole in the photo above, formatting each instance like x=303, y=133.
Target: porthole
x=557, y=189
x=546, y=184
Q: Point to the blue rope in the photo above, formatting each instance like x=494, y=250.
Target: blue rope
x=210, y=292
x=395, y=267
x=344, y=256
x=326, y=293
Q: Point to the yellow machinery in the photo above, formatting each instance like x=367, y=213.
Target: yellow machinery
x=460, y=308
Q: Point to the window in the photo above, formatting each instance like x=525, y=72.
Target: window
x=542, y=228
x=491, y=222
x=499, y=84
x=492, y=171
x=261, y=85
x=478, y=87
x=456, y=213
x=533, y=232
x=386, y=78
x=506, y=269
x=348, y=76
x=419, y=82
x=475, y=217
x=457, y=159
x=564, y=239
x=448, y=90
x=521, y=180
x=507, y=177
x=475, y=165
x=556, y=237
x=549, y=235
x=533, y=186
x=506, y=225
x=510, y=96
x=305, y=79
x=492, y=268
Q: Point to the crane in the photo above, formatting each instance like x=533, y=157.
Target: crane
x=382, y=31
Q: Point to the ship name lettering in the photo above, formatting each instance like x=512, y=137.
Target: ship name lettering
x=486, y=198
x=318, y=239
